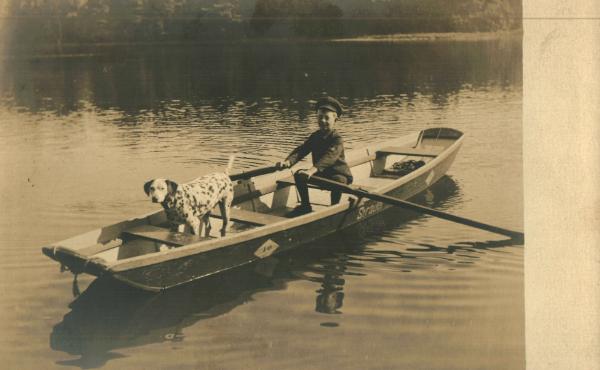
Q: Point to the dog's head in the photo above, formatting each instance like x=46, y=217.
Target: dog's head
x=158, y=189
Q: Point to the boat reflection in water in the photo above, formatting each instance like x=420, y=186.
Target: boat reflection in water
x=110, y=315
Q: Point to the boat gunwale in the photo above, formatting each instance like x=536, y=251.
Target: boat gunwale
x=209, y=245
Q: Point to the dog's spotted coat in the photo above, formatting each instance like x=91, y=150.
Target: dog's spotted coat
x=192, y=202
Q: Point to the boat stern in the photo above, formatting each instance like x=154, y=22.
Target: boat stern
x=75, y=262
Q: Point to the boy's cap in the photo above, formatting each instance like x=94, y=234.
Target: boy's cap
x=329, y=103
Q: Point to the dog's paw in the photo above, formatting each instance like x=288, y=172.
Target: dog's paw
x=163, y=247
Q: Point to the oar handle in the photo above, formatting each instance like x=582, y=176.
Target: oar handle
x=316, y=180
x=255, y=172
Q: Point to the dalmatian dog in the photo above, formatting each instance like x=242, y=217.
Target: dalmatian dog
x=191, y=203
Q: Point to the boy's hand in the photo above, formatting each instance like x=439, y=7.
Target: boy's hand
x=283, y=165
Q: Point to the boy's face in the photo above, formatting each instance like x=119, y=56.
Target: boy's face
x=326, y=119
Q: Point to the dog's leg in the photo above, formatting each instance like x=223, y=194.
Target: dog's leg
x=195, y=224
x=225, y=206
x=172, y=225
x=207, y=225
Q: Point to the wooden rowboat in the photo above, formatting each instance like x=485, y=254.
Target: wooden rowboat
x=131, y=252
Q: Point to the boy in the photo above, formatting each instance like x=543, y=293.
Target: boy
x=327, y=149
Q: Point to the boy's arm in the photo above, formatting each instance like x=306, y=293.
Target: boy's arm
x=300, y=152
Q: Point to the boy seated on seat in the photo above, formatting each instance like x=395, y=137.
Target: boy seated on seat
x=327, y=148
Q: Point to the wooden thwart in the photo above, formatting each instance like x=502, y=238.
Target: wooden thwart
x=292, y=182
x=416, y=152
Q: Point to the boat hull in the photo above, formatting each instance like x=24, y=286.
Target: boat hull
x=174, y=272
x=157, y=271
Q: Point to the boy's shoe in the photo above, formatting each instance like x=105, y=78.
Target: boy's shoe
x=299, y=210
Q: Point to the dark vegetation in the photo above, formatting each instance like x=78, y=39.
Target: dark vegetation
x=57, y=23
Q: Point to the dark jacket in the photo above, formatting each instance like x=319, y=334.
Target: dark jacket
x=327, y=153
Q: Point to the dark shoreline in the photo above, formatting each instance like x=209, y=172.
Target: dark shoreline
x=97, y=49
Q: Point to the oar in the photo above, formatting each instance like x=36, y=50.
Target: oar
x=255, y=172
x=329, y=184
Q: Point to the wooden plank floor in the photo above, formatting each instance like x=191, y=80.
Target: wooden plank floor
x=250, y=217
x=164, y=235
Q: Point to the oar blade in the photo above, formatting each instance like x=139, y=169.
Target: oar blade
x=330, y=184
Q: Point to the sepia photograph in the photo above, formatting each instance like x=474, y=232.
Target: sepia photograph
x=262, y=184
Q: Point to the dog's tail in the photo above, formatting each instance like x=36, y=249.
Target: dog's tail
x=230, y=164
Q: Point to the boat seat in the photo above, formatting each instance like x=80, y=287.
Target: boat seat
x=291, y=181
x=161, y=234
x=415, y=152
x=249, y=217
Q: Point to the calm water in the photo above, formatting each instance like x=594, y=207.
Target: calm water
x=79, y=137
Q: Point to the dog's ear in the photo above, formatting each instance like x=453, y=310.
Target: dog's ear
x=147, y=187
x=171, y=186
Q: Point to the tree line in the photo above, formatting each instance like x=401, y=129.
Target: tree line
x=57, y=23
